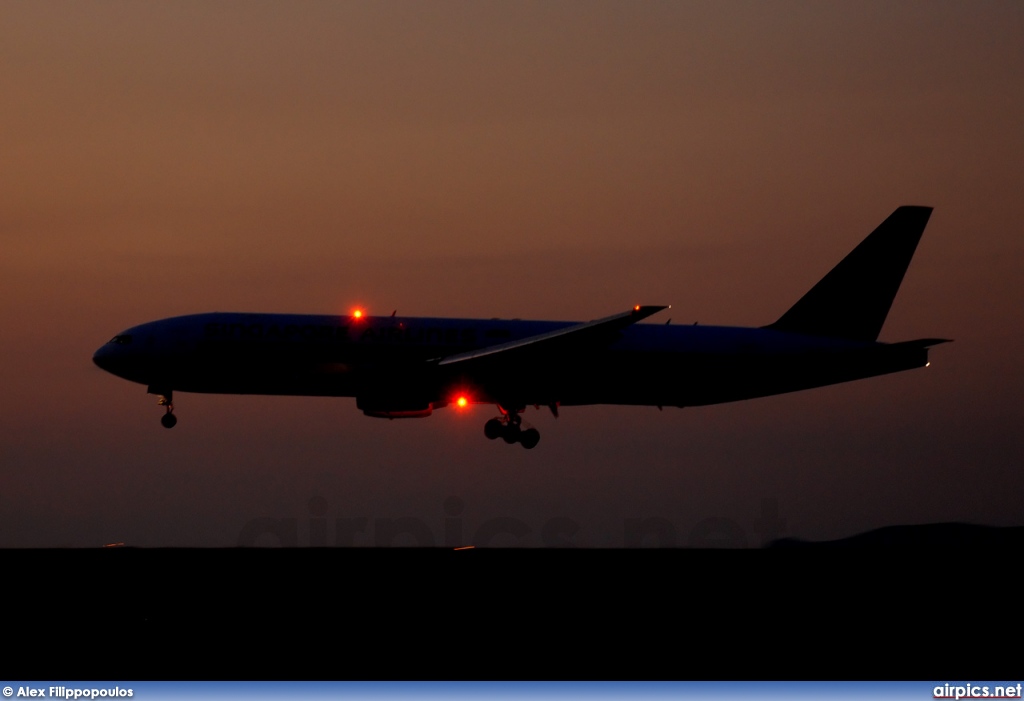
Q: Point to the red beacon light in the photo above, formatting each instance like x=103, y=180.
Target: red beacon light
x=357, y=314
x=462, y=402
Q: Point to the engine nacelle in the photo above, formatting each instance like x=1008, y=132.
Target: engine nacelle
x=395, y=407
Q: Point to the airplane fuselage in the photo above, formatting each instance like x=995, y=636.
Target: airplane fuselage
x=376, y=358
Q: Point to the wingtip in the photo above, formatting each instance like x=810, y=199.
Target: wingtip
x=641, y=312
x=645, y=310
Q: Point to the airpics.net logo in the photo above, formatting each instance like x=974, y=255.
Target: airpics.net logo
x=977, y=691
x=459, y=532
x=69, y=693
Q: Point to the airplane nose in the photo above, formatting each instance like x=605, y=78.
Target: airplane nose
x=102, y=358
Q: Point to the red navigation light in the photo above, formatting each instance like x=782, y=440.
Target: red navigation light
x=462, y=402
x=358, y=314
x=636, y=308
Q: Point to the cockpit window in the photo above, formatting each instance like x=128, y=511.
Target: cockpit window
x=122, y=340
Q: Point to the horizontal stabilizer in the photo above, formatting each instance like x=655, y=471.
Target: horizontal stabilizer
x=920, y=343
x=853, y=300
x=579, y=333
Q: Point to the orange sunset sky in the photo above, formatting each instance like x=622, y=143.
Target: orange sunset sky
x=549, y=160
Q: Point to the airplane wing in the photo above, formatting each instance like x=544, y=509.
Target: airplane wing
x=596, y=331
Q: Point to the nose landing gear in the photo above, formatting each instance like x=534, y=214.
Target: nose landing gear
x=168, y=420
x=509, y=429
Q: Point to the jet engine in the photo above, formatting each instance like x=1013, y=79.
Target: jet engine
x=395, y=407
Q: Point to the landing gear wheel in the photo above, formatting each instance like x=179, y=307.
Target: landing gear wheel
x=529, y=438
x=509, y=428
x=166, y=400
x=493, y=429
x=511, y=433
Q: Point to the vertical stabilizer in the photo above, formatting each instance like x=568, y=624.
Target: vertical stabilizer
x=853, y=300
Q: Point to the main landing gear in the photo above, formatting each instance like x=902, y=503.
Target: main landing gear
x=168, y=420
x=509, y=429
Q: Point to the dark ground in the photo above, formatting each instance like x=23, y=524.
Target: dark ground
x=923, y=602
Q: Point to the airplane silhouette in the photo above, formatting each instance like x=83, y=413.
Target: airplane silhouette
x=403, y=367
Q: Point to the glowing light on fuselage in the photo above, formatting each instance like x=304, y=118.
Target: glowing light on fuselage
x=462, y=402
x=358, y=314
